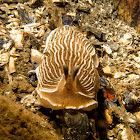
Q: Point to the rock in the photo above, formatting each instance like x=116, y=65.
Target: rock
x=36, y=56
x=97, y=33
x=119, y=75
x=137, y=59
x=12, y=59
x=78, y=126
x=133, y=76
x=122, y=132
x=60, y=2
x=114, y=46
x=57, y=1
x=23, y=14
x=12, y=68
x=17, y=36
x=127, y=39
x=107, y=48
x=4, y=58
x=114, y=54
x=8, y=45
x=107, y=70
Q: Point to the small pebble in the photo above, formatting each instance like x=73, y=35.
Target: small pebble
x=8, y=45
x=127, y=39
x=133, y=76
x=114, y=46
x=107, y=49
x=119, y=75
x=107, y=70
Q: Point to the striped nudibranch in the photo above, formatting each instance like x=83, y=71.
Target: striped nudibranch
x=67, y=76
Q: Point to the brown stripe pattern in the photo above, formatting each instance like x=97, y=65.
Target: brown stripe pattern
x=67, y=46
